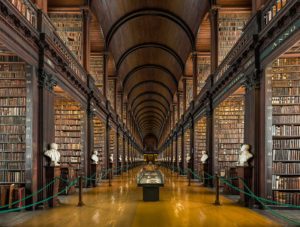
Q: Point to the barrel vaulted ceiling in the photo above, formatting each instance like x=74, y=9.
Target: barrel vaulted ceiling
x=150, y=41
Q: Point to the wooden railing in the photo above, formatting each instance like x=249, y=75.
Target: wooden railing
x=272, y=9
x=27, y=9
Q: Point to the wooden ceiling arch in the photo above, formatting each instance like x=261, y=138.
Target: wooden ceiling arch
x=151, y=93
x=146, y=102
x=160, y=46
x=151, y=12
x=153, y=111
x=151, y=107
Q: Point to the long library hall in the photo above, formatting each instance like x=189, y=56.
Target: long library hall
x=149, y=113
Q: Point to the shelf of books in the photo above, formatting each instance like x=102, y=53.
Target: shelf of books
x=179, y=151
x=112, y=145
x=120, y=158
x=189, y=92
x=229, y=131
x=285, y=79
x=69, y=130
x=230, y=29
x=187, y=145
x=203, y=67
x=200, y=144
x=12, y=119
x=69, y=27
x=99, y=139
x=111, y=92
x=96, y=69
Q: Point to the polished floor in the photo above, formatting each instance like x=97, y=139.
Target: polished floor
x=122, y=205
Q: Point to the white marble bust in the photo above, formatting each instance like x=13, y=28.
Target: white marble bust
x=179, y=158
x=111, y=158
x=244, y=155
x=126, y=158
x=188, y=157
x=95, y=157
x=120, y=158
x=204, y=157
x=53, y=154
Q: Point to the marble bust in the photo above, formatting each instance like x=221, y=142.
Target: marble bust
x=188, y=157
x=126, y=158
x=111, y=158
x=179, y=158
x=244, y=155
x=120, y=158
x=53, y=154
x=95, y=157
x=204, y=157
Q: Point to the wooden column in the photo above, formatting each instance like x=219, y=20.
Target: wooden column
x=115, y=95
x=176, y=150
x=195, y=74
x=107, y=138
x=214, y=38
x=192, y=146
x=105, y=75
x=182, y=149
x=210, y=143
x=184, y=95
x=86, y=39
x=118, y=152
x=42, y=4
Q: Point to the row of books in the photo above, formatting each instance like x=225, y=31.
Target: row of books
x=7, y=165
x=62, y=110
x=12, y=156
x=283, y=62
x=12, y=83
x=285, y=130
x=59, y=121
x=69, y=146
x=294, y=109
x=231, y=140
x=286, y=100
x=203, y=71
x=8, y=120
x=12, y=91
x=68, y=140
x=286, y=168
x=19, y=111
x=287, y=197
x=289, y=87
x=287, y=155
x=13, y=128
x=12, y=176
x=286, y=144
x=231, y=157
x=286, y=119
x=67, y=117
x=68, y=134
x=285, y=182
x=289, y=90
x=71, y=153
x=19, y=101
x=68, y=127
x=12, y=147
x=11, y=138
x=72, y=159
x=285, y=76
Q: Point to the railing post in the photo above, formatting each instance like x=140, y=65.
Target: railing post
x=217, y=202
x=80, y=203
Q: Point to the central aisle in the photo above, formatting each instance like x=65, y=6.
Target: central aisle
x=122, y=205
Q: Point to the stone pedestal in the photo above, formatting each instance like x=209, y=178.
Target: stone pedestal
x=51, y=173
x=245, y=173
x=94, y=174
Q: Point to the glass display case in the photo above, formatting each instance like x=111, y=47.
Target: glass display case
x=150, y=180
x=146, y=178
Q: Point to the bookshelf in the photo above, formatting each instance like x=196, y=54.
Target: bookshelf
x=179, y=150
x=230, y=29
x=200, y=143
x=285, y=86
x=187, y=144
x=12, y=119
x=69, y=131
x=203, y=66
x=229, y=131
x=189, y=92
x=99, y=139
x=69, y=27
x=111, y=92
x=120, y=147
x=112, y=145
x=96, y=69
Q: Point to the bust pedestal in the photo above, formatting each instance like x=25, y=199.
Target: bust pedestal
x=51, y=173
x=244, y=172
x=94, y=173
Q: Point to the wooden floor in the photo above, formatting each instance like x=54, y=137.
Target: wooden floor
x=122, y=205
